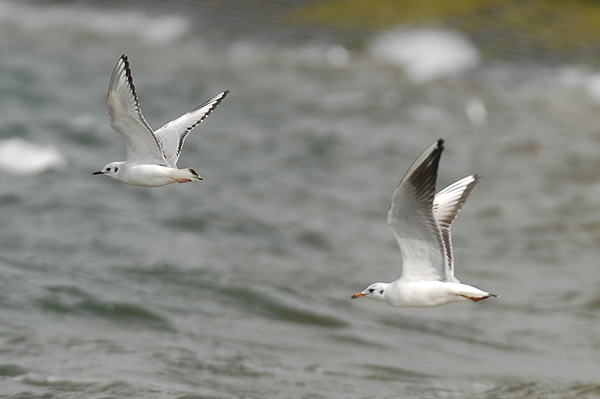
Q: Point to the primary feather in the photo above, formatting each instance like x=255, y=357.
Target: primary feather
x=127, y=120
x=172, y=135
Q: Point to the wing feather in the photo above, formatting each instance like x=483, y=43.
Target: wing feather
x=412, y=221
x=446, y=206
x=172, y=135
x=127, y=120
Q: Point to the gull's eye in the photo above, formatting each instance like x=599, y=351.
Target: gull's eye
x=371, y=290
x=108, y=169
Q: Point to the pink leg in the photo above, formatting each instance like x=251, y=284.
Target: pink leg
x=475, y=299
x=182, y=180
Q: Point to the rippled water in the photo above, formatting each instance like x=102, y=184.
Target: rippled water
x=239, y=286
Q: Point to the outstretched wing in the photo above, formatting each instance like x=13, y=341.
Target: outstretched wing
x=411, y=218
x=172, y=135
x=446, y=206
x=127, y=121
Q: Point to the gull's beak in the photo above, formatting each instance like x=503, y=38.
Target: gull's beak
x=357, y=295
x=98, y=173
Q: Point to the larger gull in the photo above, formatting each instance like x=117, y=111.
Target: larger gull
x=421, y=221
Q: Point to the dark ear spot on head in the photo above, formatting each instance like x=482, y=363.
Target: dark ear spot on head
x=381, y=292
x=116, y=169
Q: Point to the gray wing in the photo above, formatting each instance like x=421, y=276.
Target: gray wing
x=172, y=135
x=413, y=223
x=126, y=119
x=446, y=206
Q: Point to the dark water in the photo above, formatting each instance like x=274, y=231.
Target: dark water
x=239, y=286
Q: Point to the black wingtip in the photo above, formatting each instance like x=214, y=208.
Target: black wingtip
x=423, y=173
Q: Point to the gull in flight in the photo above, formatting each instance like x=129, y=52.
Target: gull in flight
x=421, y=221
x=151, y=155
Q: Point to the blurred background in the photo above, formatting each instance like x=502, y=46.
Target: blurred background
x=239, y=285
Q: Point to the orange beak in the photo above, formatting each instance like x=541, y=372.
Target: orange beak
x=357, y=295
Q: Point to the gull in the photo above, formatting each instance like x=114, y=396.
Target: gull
x=421, y=221
x=151, y=155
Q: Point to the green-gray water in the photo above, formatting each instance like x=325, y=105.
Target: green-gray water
x=239, y=286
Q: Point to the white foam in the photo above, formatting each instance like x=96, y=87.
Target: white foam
x=24, y=158
x=309, y=55
x=581, y=78
x=476, y=111
x=338, y=56
x=75, y=21
x=426, y=54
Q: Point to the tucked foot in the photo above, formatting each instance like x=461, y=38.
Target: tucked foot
x=185, y=176
x=479, y=299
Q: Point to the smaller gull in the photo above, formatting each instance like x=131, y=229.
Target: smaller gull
x=421, y=221
x=151, y=155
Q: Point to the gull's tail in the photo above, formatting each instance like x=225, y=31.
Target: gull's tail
x=195, y=174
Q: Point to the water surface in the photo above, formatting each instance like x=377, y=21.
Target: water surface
x=239, y=286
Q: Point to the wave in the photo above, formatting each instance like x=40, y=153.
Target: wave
x=275, y=304
x=531, y=389
x=74, y=300
x=426, y=54
x=24, y=158
x=78, y=22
